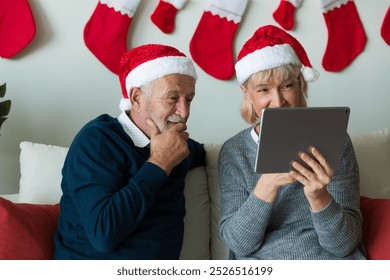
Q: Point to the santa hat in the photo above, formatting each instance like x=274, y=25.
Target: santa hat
x=145, y=63
x=270, y=47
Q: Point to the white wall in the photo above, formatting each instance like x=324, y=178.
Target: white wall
x=56, y=84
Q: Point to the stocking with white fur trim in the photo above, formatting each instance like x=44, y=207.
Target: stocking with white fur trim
x=346, y=36
x=17, y=27
x=385, y=28
x=105, y=33
x=211, y=45
x=165, y=14
x=284, y=14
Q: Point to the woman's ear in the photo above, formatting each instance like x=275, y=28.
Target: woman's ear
x=243, y=88
x=245, y=92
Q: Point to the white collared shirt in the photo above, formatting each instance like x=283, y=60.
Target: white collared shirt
x=254, y=135
x=139, y=138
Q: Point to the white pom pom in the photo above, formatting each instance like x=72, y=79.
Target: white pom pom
x=310, y=74
x=124, y=104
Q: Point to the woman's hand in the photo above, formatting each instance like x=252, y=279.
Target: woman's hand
x=268, y=185
x=314, y=180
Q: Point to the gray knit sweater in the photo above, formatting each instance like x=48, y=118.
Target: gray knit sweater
x=287, y=228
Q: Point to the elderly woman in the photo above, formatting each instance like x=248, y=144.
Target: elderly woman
x=303, y=214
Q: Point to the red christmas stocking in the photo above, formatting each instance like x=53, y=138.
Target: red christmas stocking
x=284, y=14
x=211, y=45
x=165, y=13
x=346, y=37
x=106, y=31
x=17, y=27
x=385, y=29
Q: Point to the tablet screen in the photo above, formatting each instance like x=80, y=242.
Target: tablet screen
x=285, y=132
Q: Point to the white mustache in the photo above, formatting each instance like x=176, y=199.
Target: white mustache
x=176, y=119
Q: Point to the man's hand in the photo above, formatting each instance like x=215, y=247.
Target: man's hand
x=169, y=148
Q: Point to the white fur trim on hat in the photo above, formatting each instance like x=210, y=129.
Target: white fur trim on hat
x=159, y=67
x=264, y=59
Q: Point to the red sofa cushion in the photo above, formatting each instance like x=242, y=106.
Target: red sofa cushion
x=376, y=227
x=27, y=230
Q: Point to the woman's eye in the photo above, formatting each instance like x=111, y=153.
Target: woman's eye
x=288, y=86
x=262, y=90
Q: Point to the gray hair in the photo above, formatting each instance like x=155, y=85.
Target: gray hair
x=147, y=89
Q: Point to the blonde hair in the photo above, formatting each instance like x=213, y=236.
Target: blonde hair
x=284, y=72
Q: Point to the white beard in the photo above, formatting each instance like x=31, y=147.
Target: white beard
x=164, y=125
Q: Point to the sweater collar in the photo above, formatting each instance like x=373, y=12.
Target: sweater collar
x=139, y=138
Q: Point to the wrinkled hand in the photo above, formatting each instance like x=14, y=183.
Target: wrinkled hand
x=268, y=185
x=315, y=180
x=169, y=148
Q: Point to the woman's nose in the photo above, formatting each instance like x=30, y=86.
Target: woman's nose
x=277, y=99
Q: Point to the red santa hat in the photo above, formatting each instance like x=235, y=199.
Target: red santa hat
x=145, y=63
x=270, y=47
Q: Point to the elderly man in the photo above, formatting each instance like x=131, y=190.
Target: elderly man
x=123, y=177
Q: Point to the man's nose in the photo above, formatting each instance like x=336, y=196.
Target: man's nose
x=183, y=108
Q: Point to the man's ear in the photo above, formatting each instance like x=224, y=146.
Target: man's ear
x=135, y=94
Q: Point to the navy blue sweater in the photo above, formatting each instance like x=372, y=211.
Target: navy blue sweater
x=115, y=204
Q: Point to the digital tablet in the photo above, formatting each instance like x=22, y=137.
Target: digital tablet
x=285, y=132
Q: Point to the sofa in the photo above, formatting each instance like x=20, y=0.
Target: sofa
x=28, y=219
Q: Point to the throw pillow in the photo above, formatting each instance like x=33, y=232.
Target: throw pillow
x=40, y=170
x=27, y=230
x=376, y=227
